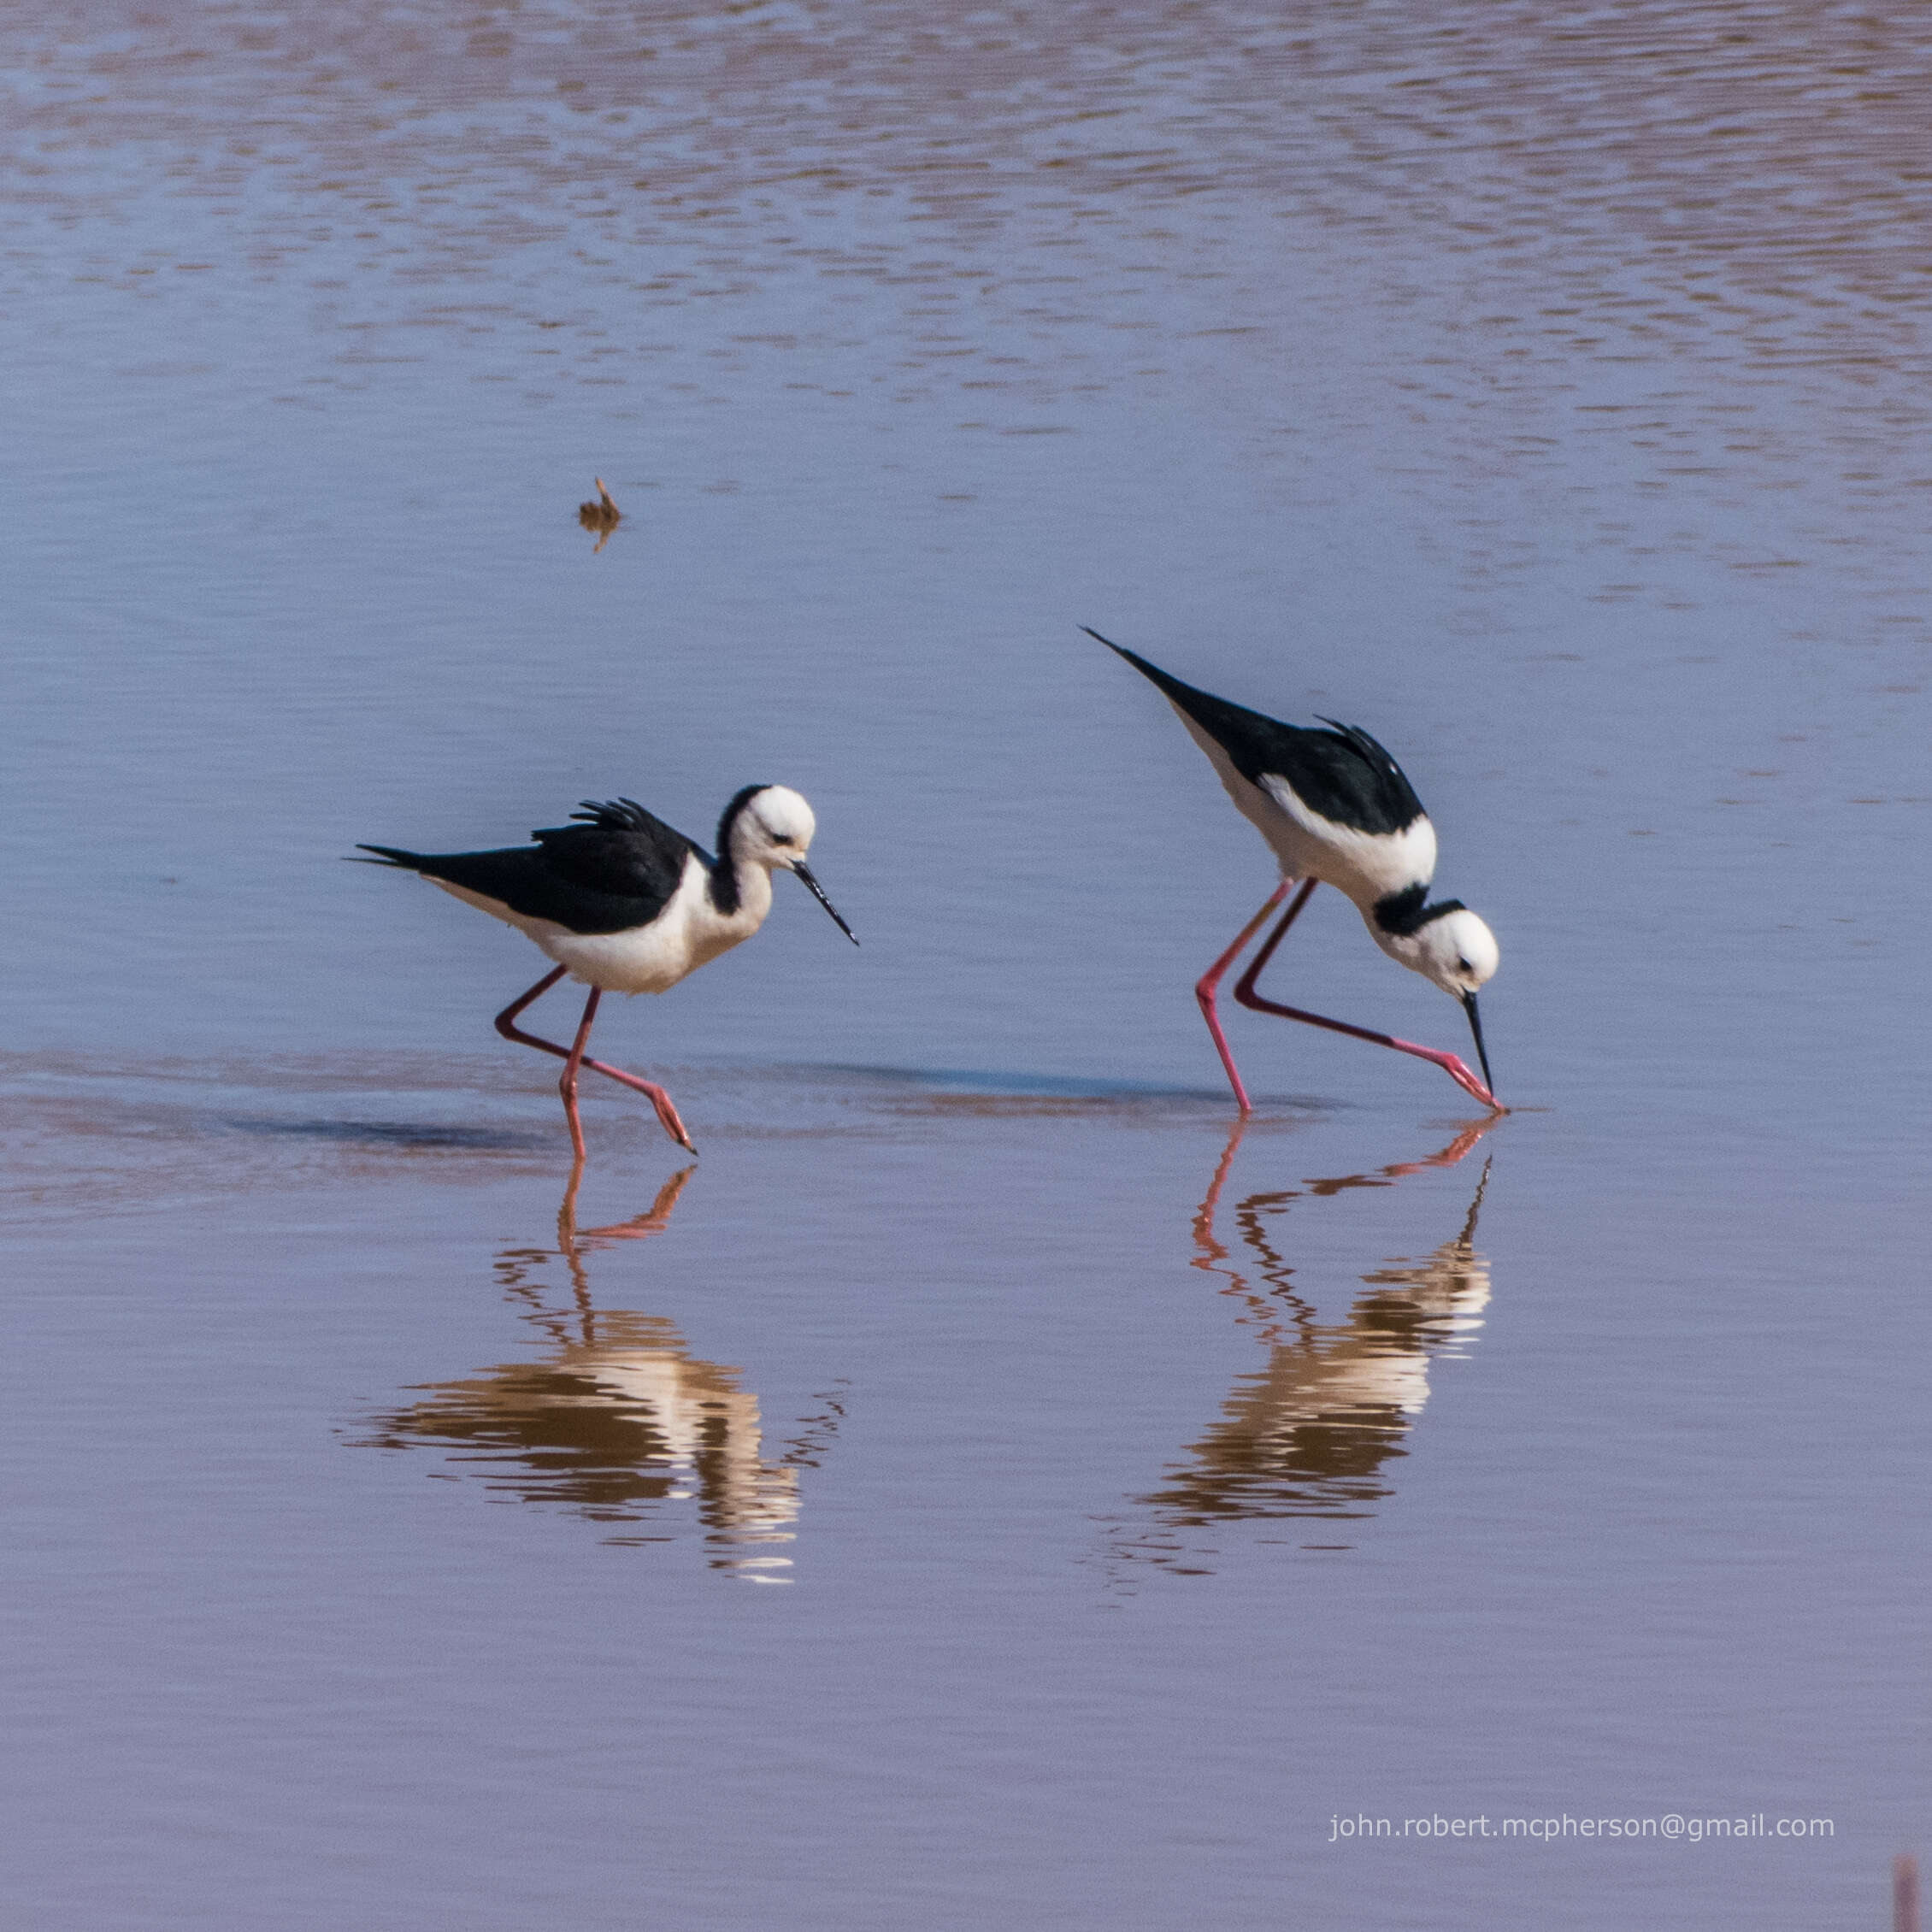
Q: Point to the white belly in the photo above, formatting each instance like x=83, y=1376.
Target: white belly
x=687, y=932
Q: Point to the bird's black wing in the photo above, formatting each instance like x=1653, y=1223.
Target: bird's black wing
x=1342, y=773
x=619, y=849
x=610, y=876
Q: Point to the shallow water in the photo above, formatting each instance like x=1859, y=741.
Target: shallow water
x=982, y=1489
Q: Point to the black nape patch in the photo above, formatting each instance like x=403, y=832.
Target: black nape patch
x=1404, y=913
x=614, y=869
x=723, y=890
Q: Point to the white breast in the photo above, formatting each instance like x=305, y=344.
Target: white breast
x=687, y=931
x=1366, y=865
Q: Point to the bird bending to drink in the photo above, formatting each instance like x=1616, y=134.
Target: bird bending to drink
x=1335, y=806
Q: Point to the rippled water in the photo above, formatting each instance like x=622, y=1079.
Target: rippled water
x=1543, y=389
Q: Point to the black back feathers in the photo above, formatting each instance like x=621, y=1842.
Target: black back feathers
x=613, y=873
x=620, y=849
x=614, y=814
x=1341, y=773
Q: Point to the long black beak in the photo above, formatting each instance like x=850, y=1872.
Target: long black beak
x=817, y=892
x=1475, y=1027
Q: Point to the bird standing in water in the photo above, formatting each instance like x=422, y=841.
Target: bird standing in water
x=626, y=904
x=1335, y=806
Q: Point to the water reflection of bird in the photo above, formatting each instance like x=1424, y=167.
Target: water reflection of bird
x=603, y=515
x=1308, y=1434
x=626, y=904
x=617, y=1421
x=1333, y=805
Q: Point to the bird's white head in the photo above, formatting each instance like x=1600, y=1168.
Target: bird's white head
x=1457, y=951
x=772, y=828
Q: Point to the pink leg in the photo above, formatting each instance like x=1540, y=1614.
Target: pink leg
x=1205, y=989
x=506, y=1025
x=1245, y=993
x=567, y=1086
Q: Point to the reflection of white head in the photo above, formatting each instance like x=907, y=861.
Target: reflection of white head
x=1380, y=1355
x=774, y=829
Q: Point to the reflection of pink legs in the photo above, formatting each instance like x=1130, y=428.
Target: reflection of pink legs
x=1205, y=988
x=1210, y=1249
x=1245, y=994
x=1210, y=1252
x=572, y=1244
x=575, y=1057
x=1448, y=1157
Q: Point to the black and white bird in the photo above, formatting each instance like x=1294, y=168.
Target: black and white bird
x=626, y=904
x=1334, y=807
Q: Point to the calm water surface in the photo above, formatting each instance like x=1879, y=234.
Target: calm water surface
x=985, y=1489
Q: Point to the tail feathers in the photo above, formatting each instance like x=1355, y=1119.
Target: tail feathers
x=1169, y=687
x=1109, y=644
x=390, y=855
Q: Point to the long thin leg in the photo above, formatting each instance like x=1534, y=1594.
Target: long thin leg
x=505, y=1021
x=506, y=1025
x=1246, y=996
x=1205, y=989
x=567, y=1086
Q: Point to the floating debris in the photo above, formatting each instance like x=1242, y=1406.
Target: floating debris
x=603, y=515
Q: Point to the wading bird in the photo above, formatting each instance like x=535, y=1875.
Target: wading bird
x=626, y=904
x=1333, y=805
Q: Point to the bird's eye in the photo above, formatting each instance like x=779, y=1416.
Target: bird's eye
x=781, y=838
x=1463, y=966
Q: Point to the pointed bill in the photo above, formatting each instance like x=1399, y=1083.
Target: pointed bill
x=1475, y=1027
x=817, y=892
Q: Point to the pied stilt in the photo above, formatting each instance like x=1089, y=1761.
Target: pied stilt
x=1333, y=805
x=625, y=904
